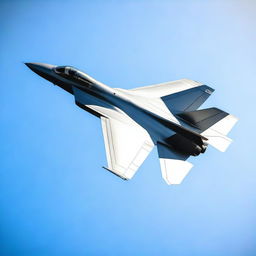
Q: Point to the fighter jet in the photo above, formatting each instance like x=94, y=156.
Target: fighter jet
x=133, y=121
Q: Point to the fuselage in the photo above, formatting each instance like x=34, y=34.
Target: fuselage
x=158, y=127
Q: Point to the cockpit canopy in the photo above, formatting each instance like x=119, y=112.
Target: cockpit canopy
x=74, y=74
x=67, y=70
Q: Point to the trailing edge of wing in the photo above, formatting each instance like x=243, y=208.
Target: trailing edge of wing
x=174, y=166
x=127, y=146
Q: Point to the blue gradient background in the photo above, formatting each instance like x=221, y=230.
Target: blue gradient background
x=55, y=199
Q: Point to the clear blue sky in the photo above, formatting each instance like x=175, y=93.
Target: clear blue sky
x=55, y=199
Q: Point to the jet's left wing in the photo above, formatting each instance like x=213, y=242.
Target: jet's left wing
x=178, y=96
x=127, y=146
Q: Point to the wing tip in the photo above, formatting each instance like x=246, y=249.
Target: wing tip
x=116, y=173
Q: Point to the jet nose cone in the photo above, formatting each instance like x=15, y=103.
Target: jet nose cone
x=41, y=67
x=30, y=65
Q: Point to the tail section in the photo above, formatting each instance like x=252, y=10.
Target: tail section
x=216, y=134
x=213, y=123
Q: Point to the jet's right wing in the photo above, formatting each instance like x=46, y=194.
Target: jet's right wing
x=174, y=166
x=127, y=146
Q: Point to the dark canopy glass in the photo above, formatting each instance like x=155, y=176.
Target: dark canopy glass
x=65, y=70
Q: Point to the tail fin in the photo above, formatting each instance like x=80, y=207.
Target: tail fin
x=213, y=123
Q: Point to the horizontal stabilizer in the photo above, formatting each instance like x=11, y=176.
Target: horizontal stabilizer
x=174, y=166
x=213, y=123
x=225, y=125
x=204, y=118
x=216, y=134
x=218, y=141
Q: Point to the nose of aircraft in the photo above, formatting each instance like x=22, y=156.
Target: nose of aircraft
x=40, y=67
x=47, y=71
